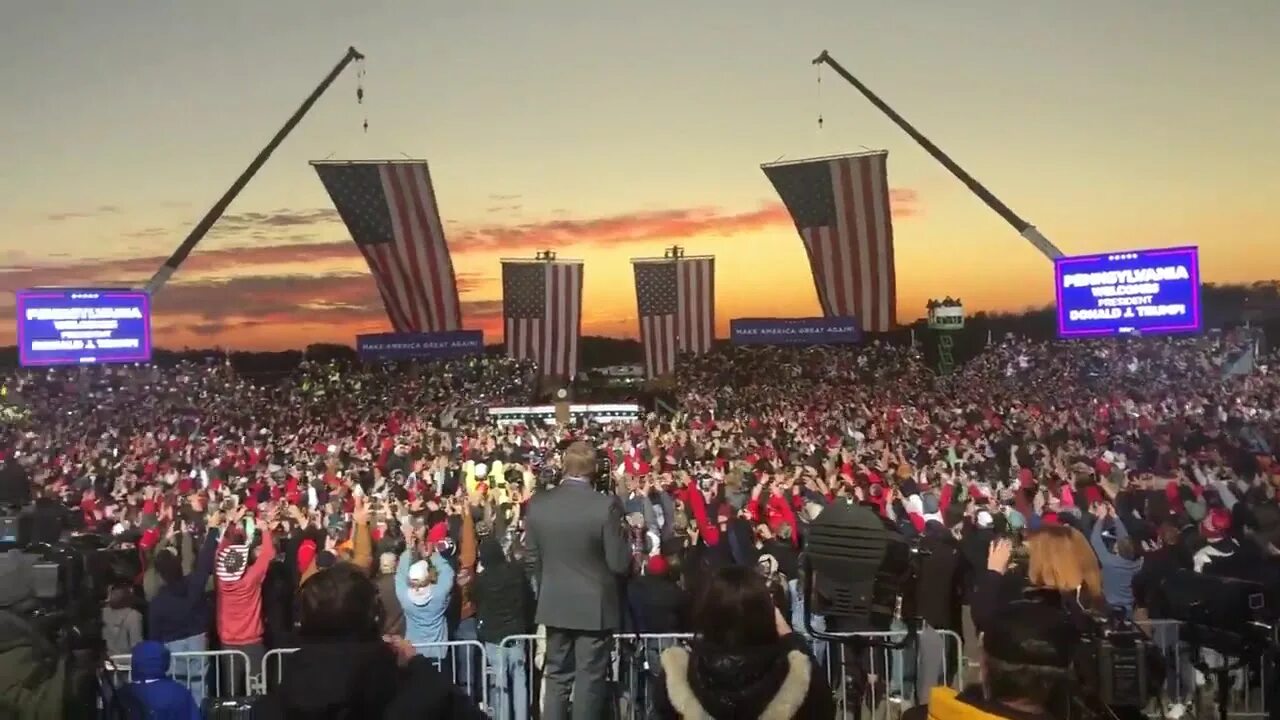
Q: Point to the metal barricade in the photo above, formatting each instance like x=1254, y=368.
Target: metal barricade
x=515, y=674
x=464, y=662
x=210, y=673
x=518, y=683
x=1186, y=686
x=638, y=670
x=859, y=675
x=865, y=675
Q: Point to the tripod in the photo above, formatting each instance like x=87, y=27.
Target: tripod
x=852, y=661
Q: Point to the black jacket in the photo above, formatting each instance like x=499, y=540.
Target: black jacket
x=361, y=680
x=1158, y=566
x=939, y=593
x=658, y=605
x=502, y=595
x=782, y=680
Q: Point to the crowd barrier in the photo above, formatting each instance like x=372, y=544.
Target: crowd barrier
x=507, y=679
x=1188, y=687
x=208, y=673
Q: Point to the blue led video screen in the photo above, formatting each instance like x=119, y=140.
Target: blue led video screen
x=1136, y=291
x=83, y=326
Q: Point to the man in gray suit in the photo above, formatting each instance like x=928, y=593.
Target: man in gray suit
x=579, y=555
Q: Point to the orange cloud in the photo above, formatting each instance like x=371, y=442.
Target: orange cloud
x=606, y=231
x=266, y=310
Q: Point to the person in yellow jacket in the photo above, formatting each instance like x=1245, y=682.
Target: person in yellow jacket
x=1026, y=660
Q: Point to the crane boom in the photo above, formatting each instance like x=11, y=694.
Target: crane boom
x=206, y=223
x=1024, y=228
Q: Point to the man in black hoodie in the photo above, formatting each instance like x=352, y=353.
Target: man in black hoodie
x=503, y=599
x=344, y=669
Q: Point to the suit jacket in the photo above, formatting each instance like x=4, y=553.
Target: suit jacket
x=577, y=550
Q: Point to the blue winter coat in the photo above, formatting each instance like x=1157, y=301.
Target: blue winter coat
x=153, y=696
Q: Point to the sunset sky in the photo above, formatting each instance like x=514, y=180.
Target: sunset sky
x=608, y=131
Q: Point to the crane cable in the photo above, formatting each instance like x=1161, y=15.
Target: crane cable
x=360, y=93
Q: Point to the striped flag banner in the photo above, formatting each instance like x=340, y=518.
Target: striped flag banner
x=676, y=302
x=389, y=208
x=542, y=313
x=840, y=206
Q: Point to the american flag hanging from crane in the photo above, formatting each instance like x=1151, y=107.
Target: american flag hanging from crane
x=542, y=312
x=389, y=208
x=675, y=297
x=840, y=206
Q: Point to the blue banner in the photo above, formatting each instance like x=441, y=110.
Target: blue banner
x=59, y=326
x=1135, y=291
x=794, y=331
x=420, y=346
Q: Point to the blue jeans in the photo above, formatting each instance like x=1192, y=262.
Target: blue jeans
x=466, y=666
x=190, y=671
x=511, y=680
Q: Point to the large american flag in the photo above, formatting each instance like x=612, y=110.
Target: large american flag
x=676, y=300
x=542, y=310
x=841, y=208
x=390, y=210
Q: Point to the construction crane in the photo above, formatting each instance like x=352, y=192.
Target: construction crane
x=206, y=223
x=1024, y=228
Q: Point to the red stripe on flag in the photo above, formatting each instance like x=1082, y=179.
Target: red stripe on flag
x=412, y=239
x=398, y=267
x=395, y=290
x=379, y=280
x=870, y=240
x=442, y=290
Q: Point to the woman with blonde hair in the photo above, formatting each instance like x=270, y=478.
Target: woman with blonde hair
x=1060, y=558
x=1060, y=566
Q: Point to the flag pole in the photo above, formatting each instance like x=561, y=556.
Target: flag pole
x=203, y=227
x=1024, y=228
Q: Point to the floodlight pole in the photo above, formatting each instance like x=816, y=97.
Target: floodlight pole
x=1024, y=228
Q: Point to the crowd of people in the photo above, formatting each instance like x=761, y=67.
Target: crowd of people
x=370, y=515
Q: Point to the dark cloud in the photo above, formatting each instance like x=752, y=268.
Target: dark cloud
x=83, y=214
x=280, y=218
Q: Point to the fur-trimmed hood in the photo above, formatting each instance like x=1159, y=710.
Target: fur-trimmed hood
x=771, y=684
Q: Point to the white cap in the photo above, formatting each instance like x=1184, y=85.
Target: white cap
x=419, y=573
x=481, y=470
x=984, y=519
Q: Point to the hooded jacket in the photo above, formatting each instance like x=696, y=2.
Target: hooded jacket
x=240, y=593
x=153, y=695
x=502, y=595
x=777, y=682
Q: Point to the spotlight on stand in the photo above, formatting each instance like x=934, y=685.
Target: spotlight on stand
x=857, y=568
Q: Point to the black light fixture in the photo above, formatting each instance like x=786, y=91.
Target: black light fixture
x=856, y=569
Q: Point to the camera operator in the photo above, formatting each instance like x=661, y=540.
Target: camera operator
x=579, y=599
x=40, y=677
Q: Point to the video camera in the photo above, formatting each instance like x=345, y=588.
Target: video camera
x=1117, y=663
